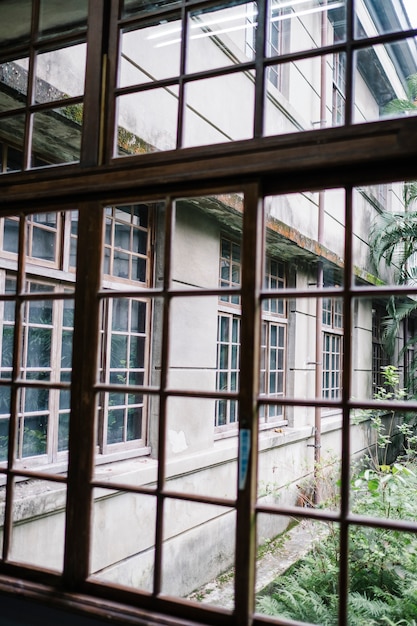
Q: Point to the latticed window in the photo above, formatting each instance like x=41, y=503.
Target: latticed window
x=46, y=354
x=272, y=341
x=230, y=268
x=380, y=357
x=272, y=374
x=228, y=365
x=332, y=347
x=126, y=241
x=339, y=79
x=140, y=144
x=124, y=362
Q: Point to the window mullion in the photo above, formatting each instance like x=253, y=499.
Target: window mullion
x=83, y=399
x=92, y=143
x=248, y=390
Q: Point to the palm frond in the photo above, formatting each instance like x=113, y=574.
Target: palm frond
x=368, y=608
x=409, y=193
x=398, y=106
x=397, y=312
x=393, y=237
x=412, y=87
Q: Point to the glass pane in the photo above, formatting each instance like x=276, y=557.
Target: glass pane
x=122, y=236
x=305, y=24
x=39, y=512
x=57, y=135
x=302, y=213
x=40, y=311
x=43, y=244
x=138, y=316
x=134, y=423
x=63, y=430
x=210, y=110
x=7, y=341
x=35, y=435
x=193, y=334
x=390, y=18
x=411, y=11
x=151, y=53
x=118, y=351
x=68, y=315
x=234, y=27
x=139, y=269
x=13, y=83
x=389, y=85
x=123, y=546
x=60, y=73
x=311, y=110
x=66, y=348
x=387, y=213
x=15, y=22
x=297, y=570
x=115, y=425
x=5, y=394
x=12, y=129
x=381, y=574
x=137, y=351
x=138, y=6
x=207, y=532
x=39, y=347
x=147, y=121
x=62, y=18
x=120, y=318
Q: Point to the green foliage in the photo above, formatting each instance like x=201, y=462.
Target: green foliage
x=399, y=105
x=74, y=112
x=130, y=143
x=393, y=240
x=382, y=562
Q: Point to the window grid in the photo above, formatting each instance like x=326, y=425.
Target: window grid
x=79, y=489
x=272, y=369
x=332, y=359
x=273, y=343
x=124, y=362
x=230, y=268
x=274, y=279
x=46, y=346
x=332, y=308
x=379, y=356
x=36, y=104
x=339, y=78
x=228, y=364
x=126, y=243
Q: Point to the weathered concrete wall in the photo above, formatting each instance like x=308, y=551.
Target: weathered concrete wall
x=199, y=539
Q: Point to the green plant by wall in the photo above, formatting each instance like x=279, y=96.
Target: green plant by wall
x=382, y=562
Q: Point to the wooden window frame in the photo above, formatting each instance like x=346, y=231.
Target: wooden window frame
x=348, y=156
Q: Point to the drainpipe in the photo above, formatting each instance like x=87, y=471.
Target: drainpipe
x=319, y=303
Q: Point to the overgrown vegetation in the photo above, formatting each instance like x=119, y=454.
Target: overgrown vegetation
x=382, y=562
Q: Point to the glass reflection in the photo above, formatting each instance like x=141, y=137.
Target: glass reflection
x=389, y=81
x=211, y=105
x=62, y=17
x=303, y=24
x=60, y=73
x=150, y=54
x=234, y=27
x=15, y=22
x=57, y=135
x=13, y=83
x=138, y=6
x=147, y=121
